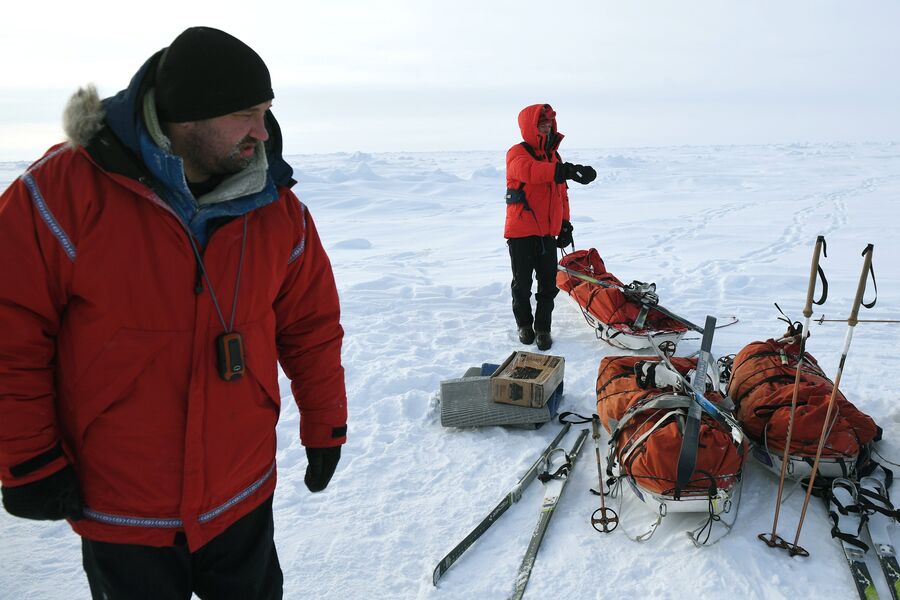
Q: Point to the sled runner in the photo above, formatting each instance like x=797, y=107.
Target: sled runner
x=761, y=386
x=620, y=314
x=645, y=407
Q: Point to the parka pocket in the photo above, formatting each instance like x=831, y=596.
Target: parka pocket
x=262, y=357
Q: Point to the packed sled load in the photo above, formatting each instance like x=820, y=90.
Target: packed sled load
x=644, y=406
x=621, y=314
x=761, y=386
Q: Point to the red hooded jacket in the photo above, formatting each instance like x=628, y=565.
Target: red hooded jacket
x=108, y=350
x=547, y=201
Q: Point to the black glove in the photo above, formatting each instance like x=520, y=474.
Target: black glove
x=322, y=463
x=645, y=373
x=50, y=499
x=578, y=173
x=565, y=235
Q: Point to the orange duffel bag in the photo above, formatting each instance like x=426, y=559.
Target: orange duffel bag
x=646, y=425
x=607, y=309
x=762, y=385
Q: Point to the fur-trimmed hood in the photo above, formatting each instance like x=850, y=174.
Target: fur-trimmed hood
x=83, y=116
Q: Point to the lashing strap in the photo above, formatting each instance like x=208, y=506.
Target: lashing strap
x=836, y=532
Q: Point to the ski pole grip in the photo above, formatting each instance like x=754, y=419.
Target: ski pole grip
x=813, y=270
x=861, y=289
x=595, y=427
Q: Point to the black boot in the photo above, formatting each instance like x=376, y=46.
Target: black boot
x=543, y=339
x=526, y=335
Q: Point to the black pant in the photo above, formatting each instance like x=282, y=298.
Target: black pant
x=240, y=563
x=533, y=255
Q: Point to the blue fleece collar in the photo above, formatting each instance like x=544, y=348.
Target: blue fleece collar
x=168, y=169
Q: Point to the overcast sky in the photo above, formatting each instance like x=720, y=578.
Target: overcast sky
x=417, y=75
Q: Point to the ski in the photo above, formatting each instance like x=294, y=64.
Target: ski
x=508, y=500
x=877, y=505
x=722, y=417
x=637, y=294
x=687, y=458
x=847, y=523
x=554, y=487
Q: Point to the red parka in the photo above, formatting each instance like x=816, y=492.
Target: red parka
x=108, y=352
x=547, y=201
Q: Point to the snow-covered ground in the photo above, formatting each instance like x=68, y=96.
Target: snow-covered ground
x=423, y=273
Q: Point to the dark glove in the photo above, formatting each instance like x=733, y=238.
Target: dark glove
x=50, y=499
x=565, y=235
x=645, y=373
x=578, y=173
x=322, y=463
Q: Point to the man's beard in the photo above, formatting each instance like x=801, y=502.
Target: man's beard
x=200, y=153
x=234, y=162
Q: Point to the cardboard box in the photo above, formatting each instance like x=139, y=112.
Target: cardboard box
x=527, y=379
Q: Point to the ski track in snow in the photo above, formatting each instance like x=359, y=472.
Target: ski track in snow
x=416, y=244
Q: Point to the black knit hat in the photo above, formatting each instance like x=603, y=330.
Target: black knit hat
x=208, y=73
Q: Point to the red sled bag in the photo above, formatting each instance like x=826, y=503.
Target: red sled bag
x=617, y=320
x=762, y=385
x=645, y=427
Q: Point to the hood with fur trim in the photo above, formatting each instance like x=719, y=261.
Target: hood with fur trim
x=83, y=116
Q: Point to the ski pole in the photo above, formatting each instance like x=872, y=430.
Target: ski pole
x=814, y=271
x=824, y=320
x=608, y=519
x=851, y=323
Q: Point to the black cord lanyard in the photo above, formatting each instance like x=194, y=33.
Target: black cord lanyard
x=229, y=345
